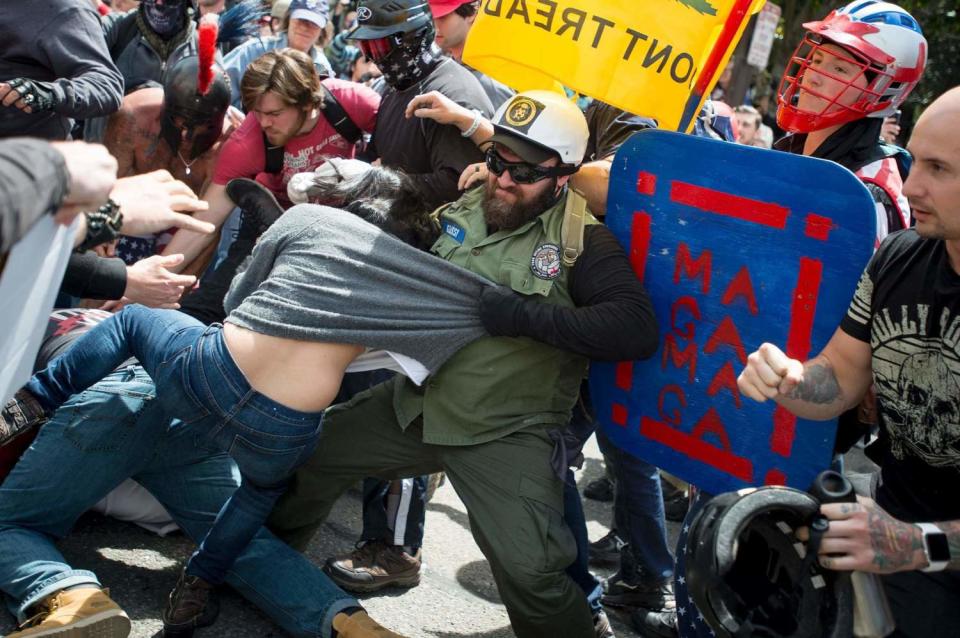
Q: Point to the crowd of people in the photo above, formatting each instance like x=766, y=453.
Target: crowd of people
x=275, y=249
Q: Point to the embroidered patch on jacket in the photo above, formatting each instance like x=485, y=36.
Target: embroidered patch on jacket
x=545, y=262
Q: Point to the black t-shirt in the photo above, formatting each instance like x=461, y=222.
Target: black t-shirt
x=432, y=154
x=907, y=307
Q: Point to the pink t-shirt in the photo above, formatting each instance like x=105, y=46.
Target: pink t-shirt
x=244, y=155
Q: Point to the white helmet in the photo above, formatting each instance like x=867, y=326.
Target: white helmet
x=538, y=125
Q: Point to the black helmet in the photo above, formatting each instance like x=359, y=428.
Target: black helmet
x=382, y=18
x=747, y=572
x=398, y=36
x=186, y=109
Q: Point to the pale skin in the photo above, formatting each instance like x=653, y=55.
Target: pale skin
x=829, y=59
x=452, y=30
x=862, y=536
x=592, y=180
x=280, y=122
x=132, y=136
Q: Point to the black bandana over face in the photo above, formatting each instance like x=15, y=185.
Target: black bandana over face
x=164, y=19
x=407, y=64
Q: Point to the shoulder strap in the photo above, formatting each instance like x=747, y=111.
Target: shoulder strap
x=273, y=156
x=571, y=231
x=338, y=118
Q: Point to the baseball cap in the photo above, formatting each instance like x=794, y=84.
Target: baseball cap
x=440, y=8
x=314, y=11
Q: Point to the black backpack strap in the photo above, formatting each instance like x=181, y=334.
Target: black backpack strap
x=338, y=118
x=334, y=112
x=273, y=156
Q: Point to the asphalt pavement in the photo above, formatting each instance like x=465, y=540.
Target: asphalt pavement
x=456, y=597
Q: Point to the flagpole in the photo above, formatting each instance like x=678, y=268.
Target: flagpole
x=741, y=8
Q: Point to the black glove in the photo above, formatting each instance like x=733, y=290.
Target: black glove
x=500, y=308
x=37, y=95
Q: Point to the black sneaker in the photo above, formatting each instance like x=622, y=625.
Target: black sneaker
x=652, y=595
x=606, y=551
x=601, y=625
x=21, y=413
x=655, y=624
x=192, y=604
x=599, y=490
x=260, y=208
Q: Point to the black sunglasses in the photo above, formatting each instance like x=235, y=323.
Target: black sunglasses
x=523, y=172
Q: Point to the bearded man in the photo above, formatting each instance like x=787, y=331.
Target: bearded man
x=492, y=416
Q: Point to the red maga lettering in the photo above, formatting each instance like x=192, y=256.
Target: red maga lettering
x=727, y=334
x=693, y=268
x=741, y=286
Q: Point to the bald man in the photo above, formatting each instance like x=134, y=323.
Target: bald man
x=901, y=333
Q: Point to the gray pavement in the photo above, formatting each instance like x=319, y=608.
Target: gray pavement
x=456, y=597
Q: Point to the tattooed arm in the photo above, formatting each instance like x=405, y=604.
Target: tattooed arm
x=864, y=537
x=819, y=389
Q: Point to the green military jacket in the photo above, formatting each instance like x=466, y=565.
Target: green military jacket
x=498, y=385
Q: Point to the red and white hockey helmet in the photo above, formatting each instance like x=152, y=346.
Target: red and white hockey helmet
x=887, y=51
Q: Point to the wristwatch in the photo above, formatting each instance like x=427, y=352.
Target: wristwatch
x=935, y=546
x=103, y=225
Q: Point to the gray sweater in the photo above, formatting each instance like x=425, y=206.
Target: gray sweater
x=58, y=42
x=322, y=274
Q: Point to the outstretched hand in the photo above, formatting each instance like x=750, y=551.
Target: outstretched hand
x=154, y=202
x=863, y=537
x=149, y=282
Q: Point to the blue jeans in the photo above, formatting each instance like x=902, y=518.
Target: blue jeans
x=114, y=431
x=579, y=569
x=198, y=382
x=639, y=517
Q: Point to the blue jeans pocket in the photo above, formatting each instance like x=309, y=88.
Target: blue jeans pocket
x=102, y=421
x=174, y=390
x=263, y=465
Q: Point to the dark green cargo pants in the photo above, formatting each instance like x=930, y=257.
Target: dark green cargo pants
x=513, y=498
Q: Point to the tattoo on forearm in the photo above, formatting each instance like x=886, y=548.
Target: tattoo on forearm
x=819, y=385
x=894, y=542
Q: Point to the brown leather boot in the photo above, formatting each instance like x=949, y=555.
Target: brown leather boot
x=360, y=625
x=373, y=566
x=192, y=604
x=84, y=612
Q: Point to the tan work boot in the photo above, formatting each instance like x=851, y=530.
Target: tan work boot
x=373, y=566
x=85, y=612
x=360, y=625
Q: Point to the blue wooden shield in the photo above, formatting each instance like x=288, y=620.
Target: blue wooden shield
x=736, y=246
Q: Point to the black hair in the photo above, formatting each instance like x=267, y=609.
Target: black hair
x=384, y=197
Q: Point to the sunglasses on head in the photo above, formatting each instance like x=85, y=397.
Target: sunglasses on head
x=523, y=172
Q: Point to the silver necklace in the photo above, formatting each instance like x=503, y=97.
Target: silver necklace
x=186, y=164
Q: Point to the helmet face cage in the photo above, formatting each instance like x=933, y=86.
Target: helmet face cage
x=834, y=111
x=881, y=39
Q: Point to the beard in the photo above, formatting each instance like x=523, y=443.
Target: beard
x=501, y=215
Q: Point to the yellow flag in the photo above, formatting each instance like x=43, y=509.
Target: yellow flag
x=656, y=58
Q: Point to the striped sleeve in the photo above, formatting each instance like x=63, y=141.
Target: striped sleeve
x=856, y=323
